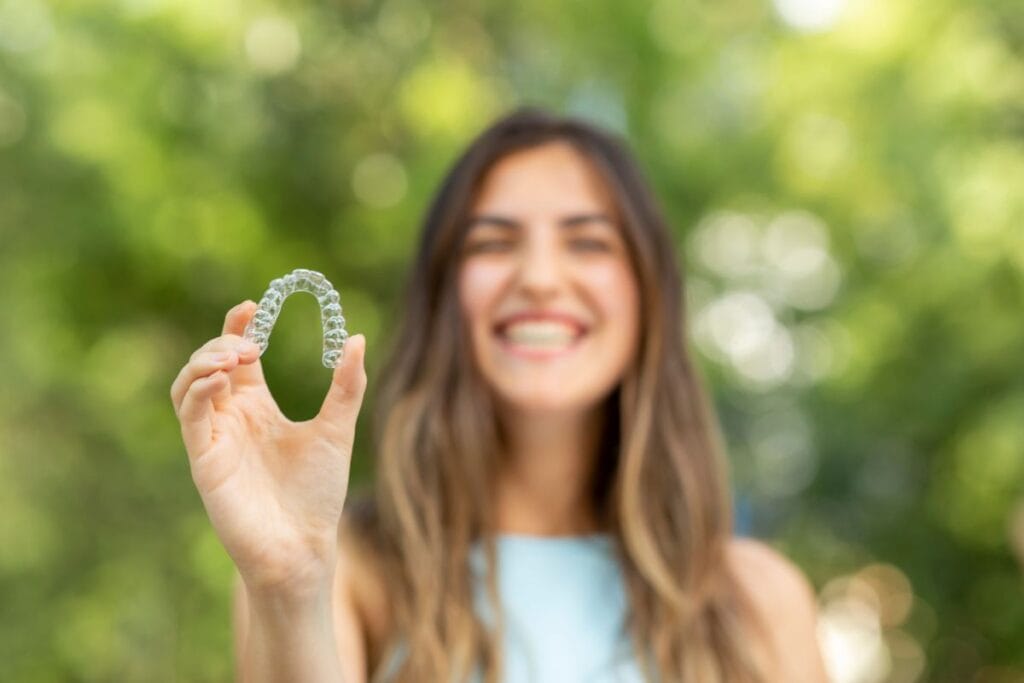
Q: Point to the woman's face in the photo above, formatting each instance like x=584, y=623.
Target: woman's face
x=546, y=284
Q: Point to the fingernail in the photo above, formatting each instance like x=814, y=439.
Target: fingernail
x=222, y=357
x=246, y=347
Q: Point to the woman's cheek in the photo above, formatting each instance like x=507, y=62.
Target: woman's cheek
x=615, y=287
x=479, y=284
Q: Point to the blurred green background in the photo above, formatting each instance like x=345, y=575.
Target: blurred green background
x=845, y=179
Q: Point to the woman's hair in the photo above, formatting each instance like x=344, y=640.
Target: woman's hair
x=660, y=487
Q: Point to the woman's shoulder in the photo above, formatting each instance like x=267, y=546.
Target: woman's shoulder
x=760, y=566
x=785, y=601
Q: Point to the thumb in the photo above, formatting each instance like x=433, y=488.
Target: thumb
x=345, y=396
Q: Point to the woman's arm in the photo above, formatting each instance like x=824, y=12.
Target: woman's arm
x=786, y=602
x=274, y=491
x=285, y=638
x=264, y=656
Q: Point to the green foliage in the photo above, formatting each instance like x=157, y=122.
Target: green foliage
x=848, y=202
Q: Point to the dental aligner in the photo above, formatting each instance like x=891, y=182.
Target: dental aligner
x=301, y=280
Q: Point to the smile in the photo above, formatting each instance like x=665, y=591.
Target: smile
x=539, y=339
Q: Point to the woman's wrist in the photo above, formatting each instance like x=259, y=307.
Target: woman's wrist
x=291, y=600
x=292, y=589
x=293, y=594
x=291, y=638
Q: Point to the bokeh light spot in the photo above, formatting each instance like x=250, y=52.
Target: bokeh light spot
x=272, y=45
x=25, y=25
x=379, y=180
x=810, y=15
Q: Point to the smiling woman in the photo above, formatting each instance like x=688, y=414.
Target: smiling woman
x=551, y=502
x=540, y=423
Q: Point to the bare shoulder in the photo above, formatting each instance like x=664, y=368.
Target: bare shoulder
x=785, y=602
x=770, y=575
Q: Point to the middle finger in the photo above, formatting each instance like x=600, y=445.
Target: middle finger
x=203, y=363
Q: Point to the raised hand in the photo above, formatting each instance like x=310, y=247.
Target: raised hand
x=272, y=488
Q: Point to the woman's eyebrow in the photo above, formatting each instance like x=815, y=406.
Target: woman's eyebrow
x=571, y=221
x=582, y=218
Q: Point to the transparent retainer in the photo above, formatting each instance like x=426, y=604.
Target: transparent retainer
x=301, y=280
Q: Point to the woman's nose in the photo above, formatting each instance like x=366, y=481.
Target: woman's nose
x=541, y=268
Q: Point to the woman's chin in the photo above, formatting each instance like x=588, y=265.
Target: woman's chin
x=539, y=403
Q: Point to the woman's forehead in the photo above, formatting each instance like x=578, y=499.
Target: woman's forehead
x=550, y=178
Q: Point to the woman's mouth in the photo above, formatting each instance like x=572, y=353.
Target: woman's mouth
x=539, y=339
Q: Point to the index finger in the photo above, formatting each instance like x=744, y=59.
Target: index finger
x=238, y=316
x=248, y=372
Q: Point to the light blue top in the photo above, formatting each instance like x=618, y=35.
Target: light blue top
x=565, y=604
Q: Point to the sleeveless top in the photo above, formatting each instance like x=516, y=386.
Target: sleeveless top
x=564, y=603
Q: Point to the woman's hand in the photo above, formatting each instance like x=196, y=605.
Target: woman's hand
x=273, y=488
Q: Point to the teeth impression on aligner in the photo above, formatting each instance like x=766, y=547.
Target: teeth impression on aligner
x=301, y=280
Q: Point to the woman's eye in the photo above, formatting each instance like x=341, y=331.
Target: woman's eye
x=595, y=245
x=489, y=245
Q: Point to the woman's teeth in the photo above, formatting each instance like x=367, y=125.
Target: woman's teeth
x=541, y=334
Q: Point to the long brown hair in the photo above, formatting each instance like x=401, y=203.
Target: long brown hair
x=660, y=490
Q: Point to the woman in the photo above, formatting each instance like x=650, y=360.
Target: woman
x=550, y=501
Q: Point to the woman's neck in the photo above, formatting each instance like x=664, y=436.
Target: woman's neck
x=545, y=478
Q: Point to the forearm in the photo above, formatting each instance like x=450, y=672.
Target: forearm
x=290, y=640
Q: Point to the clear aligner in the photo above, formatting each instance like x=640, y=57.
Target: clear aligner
x=301, y=280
